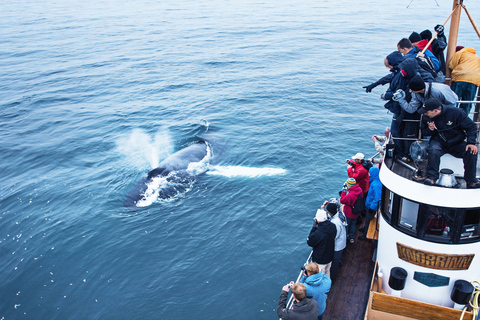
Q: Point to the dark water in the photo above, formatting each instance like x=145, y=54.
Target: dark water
x=94, y=94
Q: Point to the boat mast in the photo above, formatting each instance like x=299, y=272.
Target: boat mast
x=453, y=33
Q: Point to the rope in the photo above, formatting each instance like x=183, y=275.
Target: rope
x=443, y=24
x=473, y=301
x=472, y=21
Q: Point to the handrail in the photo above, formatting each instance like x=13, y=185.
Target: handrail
x=290, y=301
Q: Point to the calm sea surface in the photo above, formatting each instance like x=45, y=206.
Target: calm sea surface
x=93, y=94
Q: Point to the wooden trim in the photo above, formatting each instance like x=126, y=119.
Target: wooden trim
x=414, y=309
x=373, y=229
x=434, y=260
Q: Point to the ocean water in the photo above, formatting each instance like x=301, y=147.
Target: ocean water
x=94, y=94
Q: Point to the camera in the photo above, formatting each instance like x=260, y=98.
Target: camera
x=289, y=286
x=349, y=162
x=304, y=270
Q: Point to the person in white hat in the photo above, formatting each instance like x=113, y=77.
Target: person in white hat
x=357, y=171
x=322, y=241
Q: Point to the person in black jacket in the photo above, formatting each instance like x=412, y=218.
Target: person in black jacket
x=439, y=44
x=448, y=128
x=303, y=308
x=322, y=240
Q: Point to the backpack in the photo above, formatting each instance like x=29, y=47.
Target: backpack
x=367, y=165
x=426, y=64
x=359, y=206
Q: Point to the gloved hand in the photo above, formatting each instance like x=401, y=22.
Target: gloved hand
x=382, y=96
x=370, y=87
x=439, y=29
x=398, y=95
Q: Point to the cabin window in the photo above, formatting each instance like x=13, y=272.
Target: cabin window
x=437, y=222
x=387, y=200
x=408, y=215
x=471, y=224
x=431, y=223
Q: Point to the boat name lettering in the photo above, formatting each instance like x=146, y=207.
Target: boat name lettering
x=434, y=260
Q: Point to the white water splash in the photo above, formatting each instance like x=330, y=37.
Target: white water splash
x=152, y=192
x=240, y=171
x=140, y=147
x=196, y=168
x=174, y=181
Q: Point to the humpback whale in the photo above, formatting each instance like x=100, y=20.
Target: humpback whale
x=173, y=175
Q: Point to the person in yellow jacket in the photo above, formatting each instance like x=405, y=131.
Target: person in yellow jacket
x=465, y=66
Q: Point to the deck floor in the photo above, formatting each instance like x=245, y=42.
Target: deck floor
x=348, y=296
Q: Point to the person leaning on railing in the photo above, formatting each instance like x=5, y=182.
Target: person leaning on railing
x=303, y=308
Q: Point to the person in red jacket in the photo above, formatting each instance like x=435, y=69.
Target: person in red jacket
x=347, y=199
x=357, y=171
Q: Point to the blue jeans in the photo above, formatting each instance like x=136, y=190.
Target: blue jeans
x=465, y=91
x=351, y=228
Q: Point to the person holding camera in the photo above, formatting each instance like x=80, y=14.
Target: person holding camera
x=357, y=171
x=317, y=284
x=303, y=308
x=322, y=240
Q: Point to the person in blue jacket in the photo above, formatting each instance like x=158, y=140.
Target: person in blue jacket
x=373, y=199
x=318, y=285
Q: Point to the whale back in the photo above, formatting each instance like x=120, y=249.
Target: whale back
x=180, y=160
x=173, y=174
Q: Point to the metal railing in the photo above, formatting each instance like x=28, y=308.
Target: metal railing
x=474, y=112
x=290, y=301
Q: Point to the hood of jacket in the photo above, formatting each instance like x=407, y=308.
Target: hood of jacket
x=395, y=58
x=316, y=280
x=469, y=49
x=356, y=190
x=410, y=66
x=374, y=173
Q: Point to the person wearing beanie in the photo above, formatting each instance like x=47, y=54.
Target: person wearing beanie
x=348, y=197
x=440, y=91
x=416, y=84
x=415, y=38
x=340, y=238
x=426, y=35
x=322, y=240
x=399, y=79
x=448, y=128
x=465, y=67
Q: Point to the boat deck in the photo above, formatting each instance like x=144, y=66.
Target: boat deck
x=348, y=296
x=406, y=170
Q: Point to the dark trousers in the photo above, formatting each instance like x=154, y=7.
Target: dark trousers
x=465, y=91
x=396, y=129
x=436, y=150
x=337, y=255
x=368, y=217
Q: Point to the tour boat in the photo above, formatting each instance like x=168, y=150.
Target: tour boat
x=423, y=259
